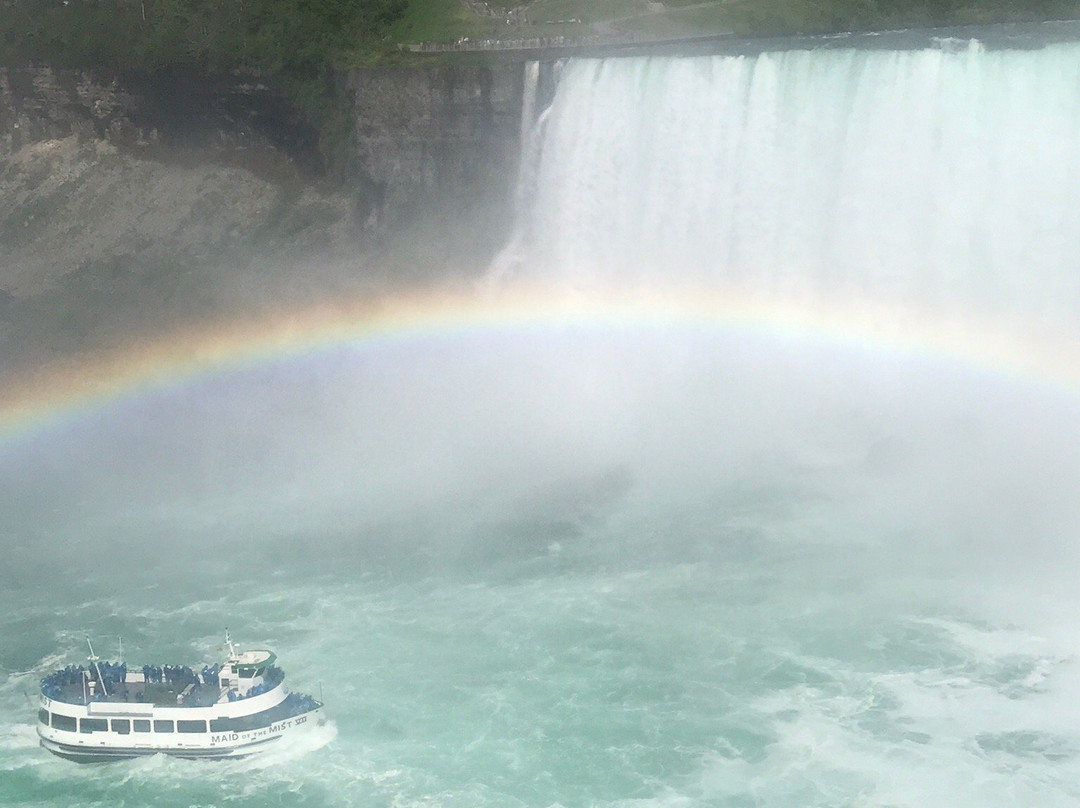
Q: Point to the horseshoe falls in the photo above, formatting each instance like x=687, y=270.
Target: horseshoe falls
x=748, y=478
x=937, y=176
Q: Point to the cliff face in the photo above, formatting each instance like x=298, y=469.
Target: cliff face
x=437, y=152
x=231, y=119
x=130, y=200
x=124, y=183
x=435, y=155
x=39, y=105
x=129, y=203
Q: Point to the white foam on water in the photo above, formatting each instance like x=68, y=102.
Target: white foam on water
x=292, y=747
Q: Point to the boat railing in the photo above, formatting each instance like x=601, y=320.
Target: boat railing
x=70, y=685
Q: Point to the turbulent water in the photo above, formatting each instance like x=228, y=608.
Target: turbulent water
x=651, y=564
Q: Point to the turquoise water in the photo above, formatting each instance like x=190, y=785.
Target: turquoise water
x=704, y=579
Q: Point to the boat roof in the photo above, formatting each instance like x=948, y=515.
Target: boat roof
x=255, y=658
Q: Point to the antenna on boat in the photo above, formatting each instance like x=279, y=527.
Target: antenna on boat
x=229, y=644
x=120, y=653
x=94, y=662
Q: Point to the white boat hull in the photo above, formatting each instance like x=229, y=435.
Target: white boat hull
x=104, y=747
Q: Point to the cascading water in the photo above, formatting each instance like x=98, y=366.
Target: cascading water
x=944, y=176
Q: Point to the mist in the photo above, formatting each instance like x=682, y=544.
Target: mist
x=412, y=445
x=354, y=455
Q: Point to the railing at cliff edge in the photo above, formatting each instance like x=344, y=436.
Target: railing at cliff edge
x=548, y=43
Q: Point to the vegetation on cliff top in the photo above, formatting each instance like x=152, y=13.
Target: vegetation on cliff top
x=295, y=37
x=301, y=39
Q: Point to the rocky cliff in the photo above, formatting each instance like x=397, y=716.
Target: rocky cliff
x=438, y=151
x=136, y=199
x=110, y=171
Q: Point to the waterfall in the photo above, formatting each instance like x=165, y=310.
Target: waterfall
x=947, y=176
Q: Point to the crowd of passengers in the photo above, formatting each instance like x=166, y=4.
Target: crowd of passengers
x=108, y=675
x=299, y=703
x=54, y=684
x=180, y=676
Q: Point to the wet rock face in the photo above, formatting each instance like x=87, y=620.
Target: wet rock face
x=41, y=104
x=131, y=202
x=140, y=198
x=442, y=138
x=424, y=138
x=429, y=143
x=231, y=119
x=72, y=206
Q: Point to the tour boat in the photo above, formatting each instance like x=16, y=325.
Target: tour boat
x=110, y=711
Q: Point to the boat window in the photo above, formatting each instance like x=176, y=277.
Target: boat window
x=257, y=720
x=242, y=723
x=121, y=725
x=163, y=726
x=43, y=717
x=141, y=725
x=93, y=725
x=191, y=726
x=66, y=722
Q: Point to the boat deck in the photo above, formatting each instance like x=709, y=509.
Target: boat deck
x=158, y=694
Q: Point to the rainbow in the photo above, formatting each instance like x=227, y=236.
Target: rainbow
x=50, y=395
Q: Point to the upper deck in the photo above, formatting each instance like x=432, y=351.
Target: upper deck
x=160, y=686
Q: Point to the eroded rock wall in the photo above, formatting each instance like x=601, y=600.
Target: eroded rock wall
x=234, y=119
x=131, y=201
x=437, y=152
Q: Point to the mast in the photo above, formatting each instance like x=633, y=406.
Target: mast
x=231, y=647
x=94, y=662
